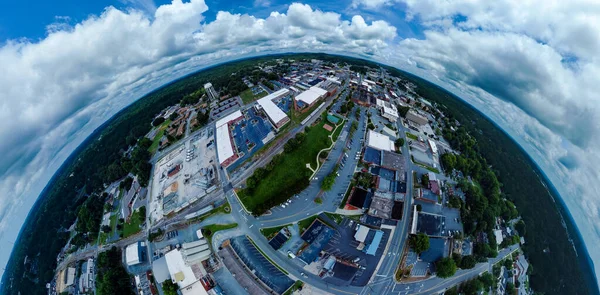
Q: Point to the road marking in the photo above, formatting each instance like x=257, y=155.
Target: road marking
x=251, y=226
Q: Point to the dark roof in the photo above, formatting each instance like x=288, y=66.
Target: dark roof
x=313, y=231
x=393, y=161
x=358, y=197
x=344, y=272
x=430, y=224
x=397, y=210
x=278, y=241
x=372, y=155
x=438, y=248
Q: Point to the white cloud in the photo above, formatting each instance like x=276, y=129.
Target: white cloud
x=372, y=4
x=533, y=67
x=57, y=90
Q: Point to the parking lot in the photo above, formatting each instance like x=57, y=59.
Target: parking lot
x=343, y=245
x=451, y=215
x=249, y=135
x=260, y=266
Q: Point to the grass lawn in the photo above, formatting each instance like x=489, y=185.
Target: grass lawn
x=133, y=226
x=347, y=195
x=248, y=97
x=213, y=228
x=290, y=173
x=298, y=284
x=339, y=217
x=158, y=136
x=305, y=223
x=434, y=170
x=267, y=257
x=225, y=209
x=412, y=136
x=269, y=232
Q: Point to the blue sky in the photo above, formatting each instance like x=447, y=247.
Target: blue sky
x=68, y=66
x=13, y=25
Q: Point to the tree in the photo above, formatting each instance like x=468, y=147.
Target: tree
x=106, y=228
x=399, y=142
x=328, y=181
x=419, y=242
x=508, y=263
x=425, y=180
x=472, y=287
x=158, y=121
x=487, y=279
x=419, y=207
x=445, y=267
x=173, y=116
x=142, y=215
x=169, y=288
x=468, y=262
x=520, y=227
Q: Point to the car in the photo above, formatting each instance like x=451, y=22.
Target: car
x=283, y=206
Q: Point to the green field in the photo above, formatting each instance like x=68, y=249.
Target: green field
x=290, y=173
x=158, y=136
x=133, y=226
x=248, y=97
x=213, y=228
x=411, y=136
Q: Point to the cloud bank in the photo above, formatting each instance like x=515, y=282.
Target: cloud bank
x=531, y=66
x=57, y=90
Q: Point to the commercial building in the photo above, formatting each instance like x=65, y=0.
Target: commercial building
x=87, y=279
x=133, y=253
x=388, y=110
x=276, y=116
x=416, y=118
x=379, y=141
x=309, y=97
x=182, y=274
x=210, y=90
x=225, y=150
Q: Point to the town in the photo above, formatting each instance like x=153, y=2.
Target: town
x=302, y=177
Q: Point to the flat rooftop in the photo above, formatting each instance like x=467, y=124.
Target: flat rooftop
x=379, y=141
x=270, y=108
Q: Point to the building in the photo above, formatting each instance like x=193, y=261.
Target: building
x=210, y=90
x=182, y=274
x=309, y=97
x=87, y=279
x=379, y=141
x=498, y=235
x=416, y=118
x=225, y=150
x=276, y=116
x=388, y=110
x=361, y=233
x=133, y=253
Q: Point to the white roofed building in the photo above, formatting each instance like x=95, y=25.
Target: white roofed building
x=379, y=141
x=309, y=97
x=180, y=273
x=361, y=233
x=276, y=116
x=388, y=110
x=225, y=145
x=133, y=253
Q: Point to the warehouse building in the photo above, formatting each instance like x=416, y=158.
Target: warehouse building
x=309, y=97
x=225, y=149
x=276, y=116
x=388, y=110
x=416, y=118
x=379, y=141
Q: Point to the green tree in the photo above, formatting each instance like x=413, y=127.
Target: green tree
x=158, y=121
x=472, y=287
x=328, y=181
x=106, y=228
x=399, y=142
x=445, y=267
x=487, y=279
x=169, y=288
x=468, y=262
x=419, y=242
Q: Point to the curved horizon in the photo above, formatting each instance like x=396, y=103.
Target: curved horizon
x=182, y=41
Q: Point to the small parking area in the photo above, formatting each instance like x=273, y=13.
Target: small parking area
x=260, y=266
x=451, y=216
x=343, y=245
